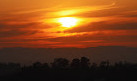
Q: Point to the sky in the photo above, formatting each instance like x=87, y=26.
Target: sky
x=35, y=23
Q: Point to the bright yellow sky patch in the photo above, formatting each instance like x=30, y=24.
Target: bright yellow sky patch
x=68, y=21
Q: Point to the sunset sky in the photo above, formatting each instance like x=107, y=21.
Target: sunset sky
x=68, y=23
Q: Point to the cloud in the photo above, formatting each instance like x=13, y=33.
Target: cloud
x=129, y=14
x=99, y=37
x=14, y=28
x=105, y=25
x=15, y=25
x=12, y=33
x=117, y=24
x=104, y=38
x=116, y=9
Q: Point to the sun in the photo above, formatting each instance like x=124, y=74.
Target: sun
x=68, y=21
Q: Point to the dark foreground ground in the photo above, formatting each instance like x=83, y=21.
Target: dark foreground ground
x=63, y=70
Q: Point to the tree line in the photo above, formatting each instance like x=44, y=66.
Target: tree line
x=61, y=69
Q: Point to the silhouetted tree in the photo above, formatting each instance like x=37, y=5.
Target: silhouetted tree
x=75, y=63
x=37, y=65
x=45, y=66
x=104, y=64
x=84, y=63
x=93, y=66
x=60, y=63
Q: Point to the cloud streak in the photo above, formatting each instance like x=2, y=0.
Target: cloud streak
x=105, y=25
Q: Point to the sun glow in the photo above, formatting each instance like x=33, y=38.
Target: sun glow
x=68, y=21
